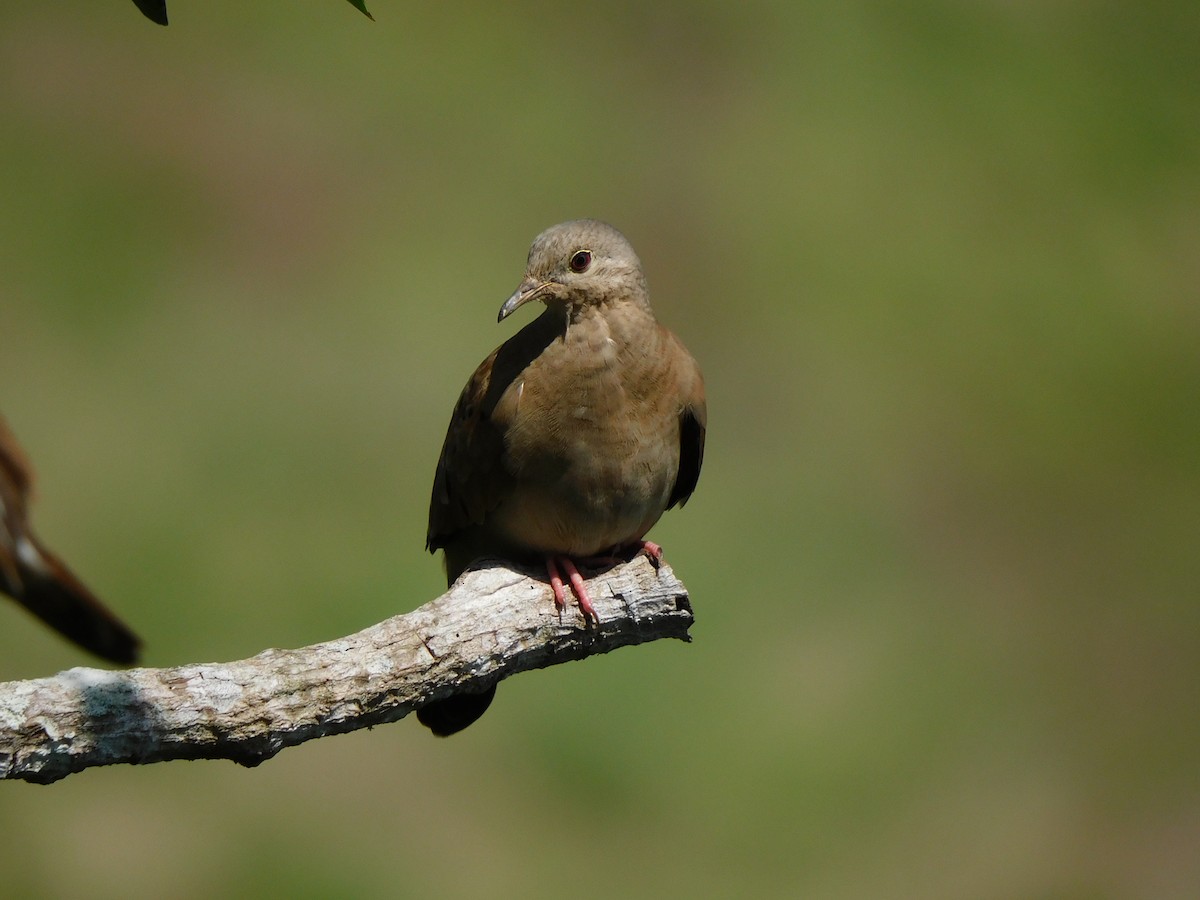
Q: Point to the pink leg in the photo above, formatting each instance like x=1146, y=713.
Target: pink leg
x=577, y=587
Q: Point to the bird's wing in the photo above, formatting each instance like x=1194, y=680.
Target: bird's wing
x=693, y=421
x=470, y=477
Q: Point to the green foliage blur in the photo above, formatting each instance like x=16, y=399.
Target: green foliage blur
x=940, y=264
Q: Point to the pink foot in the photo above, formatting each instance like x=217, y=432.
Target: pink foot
x=577, y=587
x=653, y=551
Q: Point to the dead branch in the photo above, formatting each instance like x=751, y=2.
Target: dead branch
x=493, y=623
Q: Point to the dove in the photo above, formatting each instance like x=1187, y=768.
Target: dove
x=574, y=436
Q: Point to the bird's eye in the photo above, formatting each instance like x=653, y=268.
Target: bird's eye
x=580, y=260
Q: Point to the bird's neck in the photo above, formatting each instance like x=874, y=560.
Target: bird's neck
x=617, y=313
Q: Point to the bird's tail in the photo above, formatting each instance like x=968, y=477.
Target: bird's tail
x=43, y=585
x=456, y=712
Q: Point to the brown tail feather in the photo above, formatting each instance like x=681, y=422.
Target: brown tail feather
x=51, y=592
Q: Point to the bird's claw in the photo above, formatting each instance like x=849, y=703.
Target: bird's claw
x=653, y=552
x=577, y=587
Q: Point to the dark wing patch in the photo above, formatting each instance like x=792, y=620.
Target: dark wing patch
x=693, y=423
x=691, y=455
x=469, y=471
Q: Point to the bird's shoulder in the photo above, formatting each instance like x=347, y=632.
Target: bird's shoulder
x=468, y=474
x=470, y=479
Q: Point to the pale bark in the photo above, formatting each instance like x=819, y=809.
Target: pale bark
x=493, y=623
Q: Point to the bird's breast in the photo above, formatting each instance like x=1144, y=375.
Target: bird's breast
x=592, y=454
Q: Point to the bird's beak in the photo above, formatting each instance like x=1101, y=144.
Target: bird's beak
x=529, y=289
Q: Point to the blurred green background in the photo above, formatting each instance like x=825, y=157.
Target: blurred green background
x=940, y=264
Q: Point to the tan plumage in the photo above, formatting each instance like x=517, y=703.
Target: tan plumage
x=571, y=439
x=39, y=581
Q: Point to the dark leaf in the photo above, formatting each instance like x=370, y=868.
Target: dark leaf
x=361, y=6
x=154, y=10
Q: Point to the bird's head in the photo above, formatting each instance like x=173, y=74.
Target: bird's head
x=579, y=264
